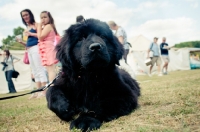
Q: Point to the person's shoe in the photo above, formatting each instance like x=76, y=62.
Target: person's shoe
x=41, y=94
x=34, y=95
x=160, y=74
x=12, y=92
x=149, y=74
x=165, y=73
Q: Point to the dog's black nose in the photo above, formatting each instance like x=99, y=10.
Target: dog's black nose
x=95, y=46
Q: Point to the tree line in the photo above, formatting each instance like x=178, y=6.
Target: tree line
x=191, y=44
x=10, y=43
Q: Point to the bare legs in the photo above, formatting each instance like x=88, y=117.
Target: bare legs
x=51, y=72
x=156, y=60
x=159, y=69
x=151, y=67
x=165, y=66
x=38, y=85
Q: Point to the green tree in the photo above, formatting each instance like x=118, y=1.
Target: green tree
x=18, y=31
x=192, y=44
x=9, y=41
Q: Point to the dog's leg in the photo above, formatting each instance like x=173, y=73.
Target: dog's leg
x=130, y=81
x=86, y=122
x=117, y=108
x=111, y=108
x=59, y=104
x=120, y=103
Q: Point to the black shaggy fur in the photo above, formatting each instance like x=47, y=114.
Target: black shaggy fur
x=91, y=85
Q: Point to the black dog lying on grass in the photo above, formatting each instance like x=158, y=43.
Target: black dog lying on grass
x=91, y=86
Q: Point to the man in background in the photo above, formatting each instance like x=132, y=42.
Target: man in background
x=154, y=47
x=122, y=37
x=165, y=55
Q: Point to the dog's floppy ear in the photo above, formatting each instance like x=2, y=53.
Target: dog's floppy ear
x=119, y=50
x=63, y=49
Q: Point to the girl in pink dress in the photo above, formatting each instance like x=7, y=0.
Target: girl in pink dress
x=46, y=34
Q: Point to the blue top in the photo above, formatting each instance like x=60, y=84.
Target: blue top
x=31, y=39
x=155, y=48
x=163, y=51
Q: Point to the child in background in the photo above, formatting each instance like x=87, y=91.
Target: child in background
x=46, y=33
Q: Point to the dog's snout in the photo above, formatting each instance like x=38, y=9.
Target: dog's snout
x=95, y=47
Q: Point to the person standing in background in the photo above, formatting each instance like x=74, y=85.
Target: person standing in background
x=46, y=33
x=154, y=47
x=8, y=61
x=165, y=55
x=33, y=52
x=122, y=37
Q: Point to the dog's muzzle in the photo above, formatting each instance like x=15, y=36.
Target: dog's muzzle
x=95, y=47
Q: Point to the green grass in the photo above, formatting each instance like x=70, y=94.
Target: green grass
x=169, y=103
x=15, y=46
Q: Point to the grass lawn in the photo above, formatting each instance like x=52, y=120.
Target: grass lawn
x=169, y=103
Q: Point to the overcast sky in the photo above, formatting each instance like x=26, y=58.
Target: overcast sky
x=178, y=20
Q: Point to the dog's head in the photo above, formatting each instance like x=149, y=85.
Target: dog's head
x=90, y=44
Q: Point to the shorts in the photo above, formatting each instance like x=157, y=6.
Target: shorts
x=165, y=58
x=156, y=59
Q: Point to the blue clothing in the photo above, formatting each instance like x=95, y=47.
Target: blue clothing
x=163, y=51
x=154, y=47
x=32, y=41
x=11, y=86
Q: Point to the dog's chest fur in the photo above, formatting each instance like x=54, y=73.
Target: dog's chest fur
x=89, y=90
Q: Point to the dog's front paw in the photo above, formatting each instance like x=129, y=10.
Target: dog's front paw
x=85, y=123
x=65, y=115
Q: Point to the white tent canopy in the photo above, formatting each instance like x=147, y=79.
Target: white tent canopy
x=23, y=82
x=139, y=43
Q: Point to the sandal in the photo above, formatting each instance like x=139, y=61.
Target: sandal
x=34, y=95
x=41, y=94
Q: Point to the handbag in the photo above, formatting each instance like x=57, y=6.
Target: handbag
x=26, y=60
x=148, y=62
x=15, y=73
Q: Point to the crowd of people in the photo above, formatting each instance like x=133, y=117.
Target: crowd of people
x=158, y=52
x=40, y=45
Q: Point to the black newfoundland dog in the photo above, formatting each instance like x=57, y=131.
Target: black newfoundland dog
x=91, y=88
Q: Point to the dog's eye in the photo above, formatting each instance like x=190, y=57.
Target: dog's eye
x=103, y=37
